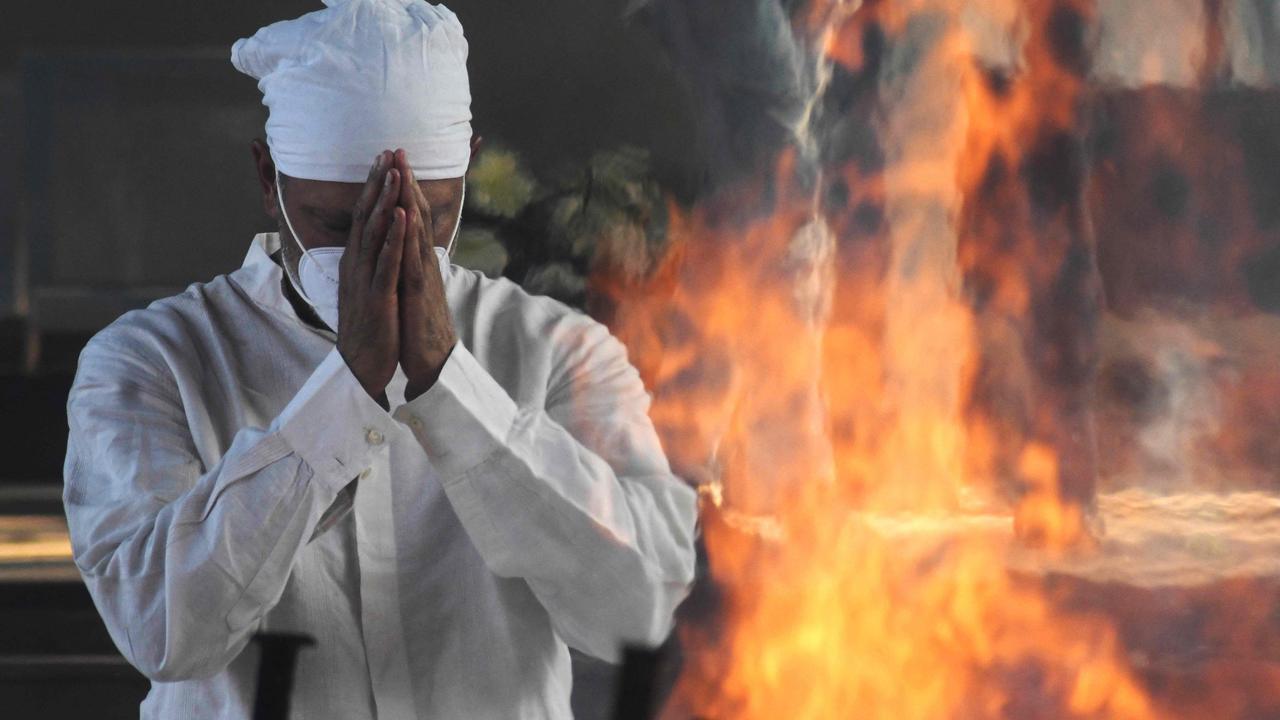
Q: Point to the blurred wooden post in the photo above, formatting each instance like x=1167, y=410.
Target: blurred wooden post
x=275, y=673
x=637, y=684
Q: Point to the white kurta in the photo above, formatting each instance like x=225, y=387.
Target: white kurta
x=520, y=504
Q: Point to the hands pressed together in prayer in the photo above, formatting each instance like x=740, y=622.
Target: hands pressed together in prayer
x=391, y=302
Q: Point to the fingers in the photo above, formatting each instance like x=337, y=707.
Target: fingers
x=428, y=221
x=413, y=200
x=411, y=270
x=409, y=201
x=364, y=204
x=376, y=225
x=387, y=275
x=408, y=198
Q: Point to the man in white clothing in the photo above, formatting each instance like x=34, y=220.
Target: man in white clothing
x=444, y=480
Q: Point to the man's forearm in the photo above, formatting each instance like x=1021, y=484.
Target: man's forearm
x=608, y=552
x=182, y=581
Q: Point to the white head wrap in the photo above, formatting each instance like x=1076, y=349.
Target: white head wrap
x=344, y=83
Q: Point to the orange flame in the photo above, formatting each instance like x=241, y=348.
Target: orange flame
x=845, y=400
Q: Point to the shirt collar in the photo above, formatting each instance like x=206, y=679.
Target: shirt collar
x=261, y=248
x=260, y=276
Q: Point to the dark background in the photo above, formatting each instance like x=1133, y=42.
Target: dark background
x=553, y=81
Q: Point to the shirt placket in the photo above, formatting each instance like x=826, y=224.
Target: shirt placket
x=384, y=635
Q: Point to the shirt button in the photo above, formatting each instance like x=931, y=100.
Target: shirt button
x=415, y=422
x=373, y=437
x=365, y=473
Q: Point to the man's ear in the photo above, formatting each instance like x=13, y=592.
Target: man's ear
x=266, y=169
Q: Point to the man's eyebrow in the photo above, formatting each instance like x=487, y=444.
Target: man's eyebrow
x=446, y=205
x=333, y=217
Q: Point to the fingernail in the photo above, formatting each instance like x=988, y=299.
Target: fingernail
x=377, y=162
x=386, y=181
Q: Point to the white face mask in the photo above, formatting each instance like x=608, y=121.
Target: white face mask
x=318, y=269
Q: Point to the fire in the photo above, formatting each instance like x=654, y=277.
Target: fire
x=876, y=410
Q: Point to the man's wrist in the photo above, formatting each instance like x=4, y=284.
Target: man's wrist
x=417, y=386
x=423, y=380
x=413, y=392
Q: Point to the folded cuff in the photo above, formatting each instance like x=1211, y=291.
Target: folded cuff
x=333, y=424
x=463, y=418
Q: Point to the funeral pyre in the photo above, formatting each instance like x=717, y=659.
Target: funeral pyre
x=952, y=465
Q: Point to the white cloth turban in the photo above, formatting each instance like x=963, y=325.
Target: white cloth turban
x=360, y=76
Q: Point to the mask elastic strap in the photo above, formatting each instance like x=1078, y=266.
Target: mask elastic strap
x=296, y=283
x=462, y=202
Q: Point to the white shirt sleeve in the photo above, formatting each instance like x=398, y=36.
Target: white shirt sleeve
x=183, y=561
x=577, y=498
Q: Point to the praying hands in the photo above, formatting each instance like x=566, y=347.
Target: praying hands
x=392, y=306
